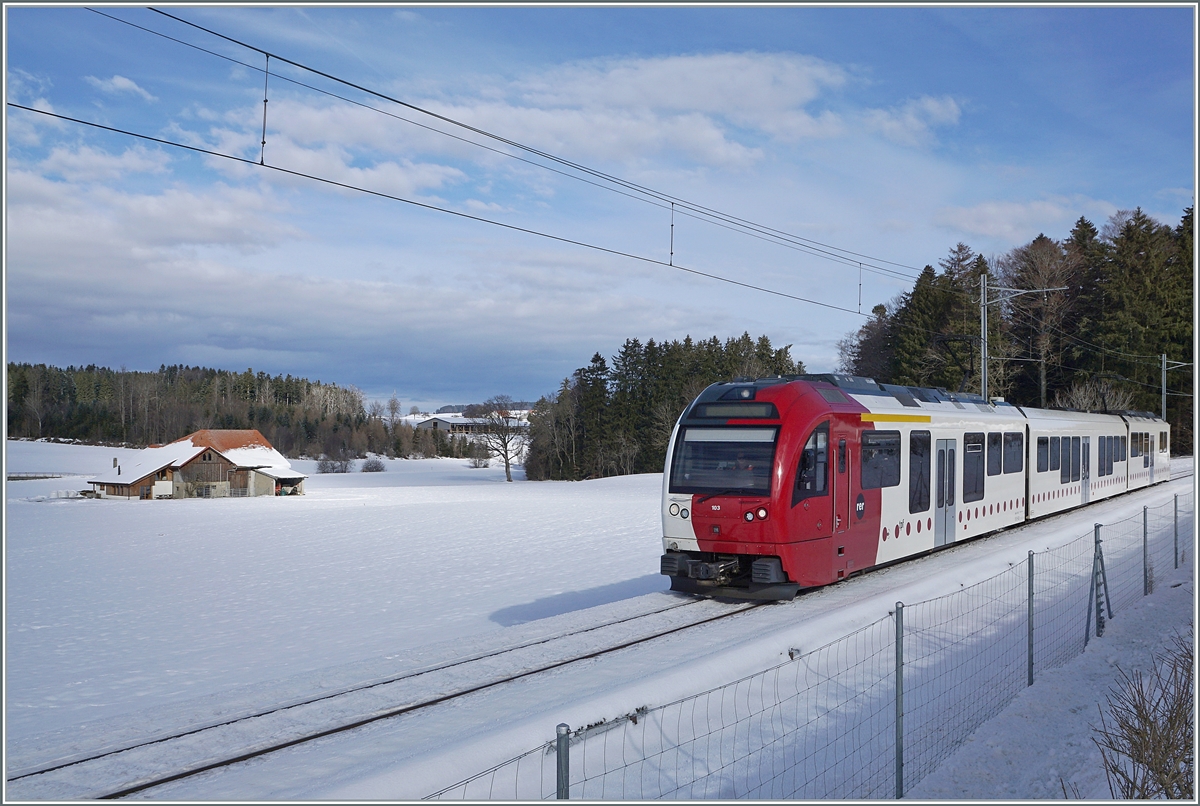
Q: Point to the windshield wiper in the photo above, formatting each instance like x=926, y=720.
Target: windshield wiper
x=730, y=491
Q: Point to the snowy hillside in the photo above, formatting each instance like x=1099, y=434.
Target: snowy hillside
x=129, y=615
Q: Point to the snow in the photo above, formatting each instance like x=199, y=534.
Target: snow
x=125, y=618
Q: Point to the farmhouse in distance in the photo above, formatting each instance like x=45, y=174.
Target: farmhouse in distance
x=206, y=464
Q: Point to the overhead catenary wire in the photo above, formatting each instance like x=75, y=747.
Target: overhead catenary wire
x=696, y=209
x=644, y=195
x=436, y=208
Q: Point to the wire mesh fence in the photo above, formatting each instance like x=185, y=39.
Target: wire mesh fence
x=874, y=712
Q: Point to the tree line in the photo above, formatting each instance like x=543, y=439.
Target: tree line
x=1126, y=298
x=301, y=418
x=617, y=419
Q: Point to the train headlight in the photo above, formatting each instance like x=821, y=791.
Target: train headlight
x=749, y=516
x=762, y=513
x=683, y=513
x=674, y=509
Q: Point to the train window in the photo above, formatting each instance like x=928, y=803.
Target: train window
x=841, y=456
x=880, y=459
x=1162, y=441
x=812, y=474
x=1014, y=451
x=1075, y=447
x=1124, y=450
x=1103, y=458
x=973, y=470
x=723, y=460
x=1054, y=453
x=1064, y=477
x=1043, y=454
x=1147, y=449
x=1135, y=445
x=918, y=471
x=1112, y=453
x=941, y=491
x=994, y=456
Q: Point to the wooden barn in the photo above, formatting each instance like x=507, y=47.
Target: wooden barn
x=206, y=464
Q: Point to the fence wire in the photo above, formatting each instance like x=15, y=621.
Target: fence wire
x=823, y=724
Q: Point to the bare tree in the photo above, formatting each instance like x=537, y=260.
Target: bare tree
x=1094, y=395
x=37, y=398
x=1042, y=263
x=506, y=433
x=393, y=409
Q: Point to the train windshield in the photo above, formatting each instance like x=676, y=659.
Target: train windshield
x=729, y=460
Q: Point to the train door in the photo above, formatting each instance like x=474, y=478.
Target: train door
x=1085, y=469
x=943, y=519
x=841, y=488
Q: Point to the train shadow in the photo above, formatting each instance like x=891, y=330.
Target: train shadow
x=579, y=600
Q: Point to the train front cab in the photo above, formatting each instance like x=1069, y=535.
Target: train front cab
x=795, y=526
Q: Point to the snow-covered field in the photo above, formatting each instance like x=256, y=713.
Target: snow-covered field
x=124, y=613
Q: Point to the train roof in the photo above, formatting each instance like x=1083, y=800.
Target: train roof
x=896, y=397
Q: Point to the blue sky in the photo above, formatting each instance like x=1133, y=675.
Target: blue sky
x=891, y=132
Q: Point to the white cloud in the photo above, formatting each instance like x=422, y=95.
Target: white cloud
x=748, y=87
x=87, y=223
x=913, y=122
x=117, y=85
x=475, y=205
x=85, y=164
x=24, y=128
x=1018, y=222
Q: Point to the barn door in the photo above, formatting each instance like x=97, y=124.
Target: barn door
x=944, y=514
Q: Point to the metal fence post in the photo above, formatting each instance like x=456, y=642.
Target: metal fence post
x=1103, y=581
x=1092, y=593
x=899, y=700
x=1029, y=681
x=564, y=761
x=1145, y=551
x=1176, y=530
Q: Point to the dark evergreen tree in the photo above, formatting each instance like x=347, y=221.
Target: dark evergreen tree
x=606, y=421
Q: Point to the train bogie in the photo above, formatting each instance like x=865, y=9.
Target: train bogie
x=780, y=484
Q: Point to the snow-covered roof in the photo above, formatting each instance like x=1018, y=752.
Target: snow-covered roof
x=244, y=448
x=152, y=461
x=280, y=473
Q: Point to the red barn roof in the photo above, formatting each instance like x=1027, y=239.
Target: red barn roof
x=224, y=440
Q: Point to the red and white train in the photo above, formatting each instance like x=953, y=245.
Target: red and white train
x=779, y=484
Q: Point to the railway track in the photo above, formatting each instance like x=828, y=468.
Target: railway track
x=138, y=766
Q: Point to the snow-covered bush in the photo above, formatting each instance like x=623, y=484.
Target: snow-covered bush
x=373, y=465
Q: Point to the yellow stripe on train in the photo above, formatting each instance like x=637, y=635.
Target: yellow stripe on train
x=895, y=418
